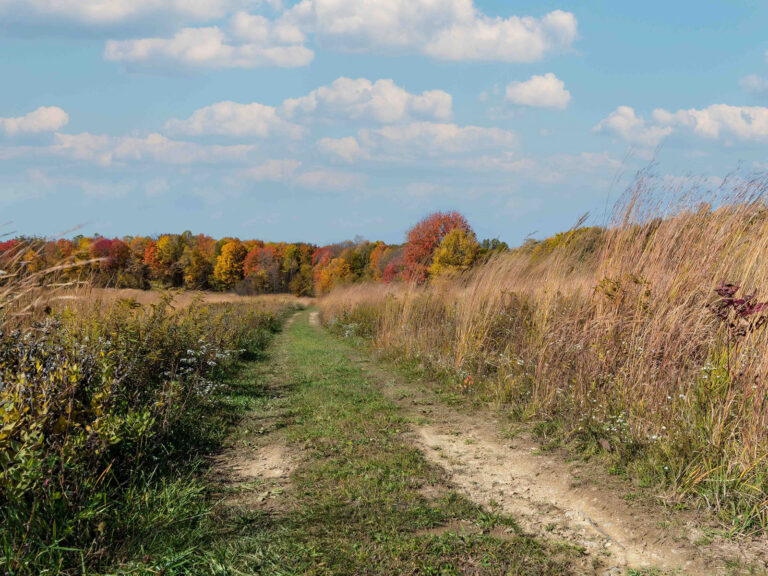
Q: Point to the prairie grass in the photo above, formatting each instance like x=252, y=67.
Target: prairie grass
x=611, y=337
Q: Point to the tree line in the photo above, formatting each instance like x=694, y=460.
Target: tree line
x=442, y=243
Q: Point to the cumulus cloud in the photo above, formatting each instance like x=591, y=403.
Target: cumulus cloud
x=625, y=124
x=106, y=150
x=346, y=149
x=443, y=29
x=256, y=29
x=743, y=123
x=211, y=47
x=748, y=123
x=360, y=99
x=44, y=119
x=546, y=91
x=233, y=119
x=509, y=40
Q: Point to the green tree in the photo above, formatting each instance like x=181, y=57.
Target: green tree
x=303, y=282
x=198, y=270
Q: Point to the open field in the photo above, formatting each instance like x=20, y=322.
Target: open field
x=181, y=298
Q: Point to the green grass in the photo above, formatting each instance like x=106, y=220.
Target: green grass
x=361, y=499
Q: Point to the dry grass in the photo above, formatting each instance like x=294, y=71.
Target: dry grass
x=181, y=298
x=608, y=336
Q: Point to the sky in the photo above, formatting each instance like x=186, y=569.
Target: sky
x=322, y=120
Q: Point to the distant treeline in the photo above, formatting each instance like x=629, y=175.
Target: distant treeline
x=441, y=243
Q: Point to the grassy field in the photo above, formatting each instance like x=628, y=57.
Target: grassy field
x=643, y=343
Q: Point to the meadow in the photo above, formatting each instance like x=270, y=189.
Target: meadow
x=129, y=415
x=641, y=343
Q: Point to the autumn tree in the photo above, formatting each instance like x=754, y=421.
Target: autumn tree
x=151, y=261
x=303, y=282
x=376, y=260
x=456, y=253
x=331, y=275
x=423, y=240
x=229, y=265
x=262, y=269
x=198, y=269
x=170, y=248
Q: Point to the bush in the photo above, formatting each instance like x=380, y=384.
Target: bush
x=92, y=404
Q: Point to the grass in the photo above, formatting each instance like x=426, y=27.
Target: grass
x=361, y=499
x=608, y=339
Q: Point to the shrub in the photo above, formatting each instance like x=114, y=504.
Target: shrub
x=94, y=401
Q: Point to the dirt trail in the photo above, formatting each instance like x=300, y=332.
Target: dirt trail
x=562, y=500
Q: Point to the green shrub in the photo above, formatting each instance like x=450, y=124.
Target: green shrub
x=92, y=404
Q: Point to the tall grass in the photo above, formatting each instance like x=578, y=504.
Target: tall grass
x=103, y=414
x=611, y=336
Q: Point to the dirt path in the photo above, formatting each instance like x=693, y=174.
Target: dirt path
x=562, y=500
x=321, y=476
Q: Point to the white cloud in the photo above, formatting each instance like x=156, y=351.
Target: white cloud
x=624, y=123
x=360, y=99
x=444, y=29
x=748, y=123
x=434, y=139
x=509, y=40
x=256, y=29
x=99, y=12
x=233, y=119
x=346, y=149
x=106, y=150
x=207, y=47
x=546, y=91
x=719, y=121
x=44, y=119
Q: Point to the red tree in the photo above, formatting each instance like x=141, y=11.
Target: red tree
x=424, y=238
x=151, y=260
x=112, y=254
x=8, y=245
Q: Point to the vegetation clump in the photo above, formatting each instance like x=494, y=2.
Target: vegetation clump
x=102, y=411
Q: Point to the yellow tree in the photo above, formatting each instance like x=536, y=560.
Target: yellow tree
x=229, y=265
x=456, y=252
x=327, y=277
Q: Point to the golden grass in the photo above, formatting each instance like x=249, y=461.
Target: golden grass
x=614, y=340
x=181, y=298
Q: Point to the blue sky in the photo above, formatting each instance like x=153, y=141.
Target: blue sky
x=320, y=120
